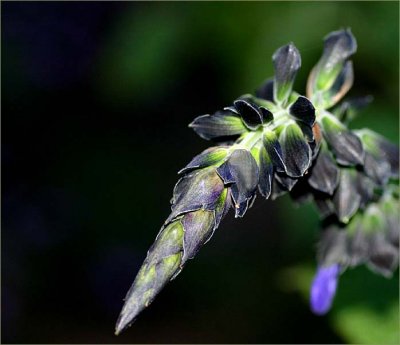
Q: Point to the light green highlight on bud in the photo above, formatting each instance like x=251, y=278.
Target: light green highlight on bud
x=161, y=265
x=172, y=234
x=353, y=226
x=282, y=92
x=198, y=227
x=217, y=156
x=255, y=152
x=269, y=136
x=373, y=220
x=326, y=77
x=293, y=97
x=370, y=140
x=330, y=122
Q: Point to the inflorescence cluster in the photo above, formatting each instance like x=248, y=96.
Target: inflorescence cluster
x=278, y=142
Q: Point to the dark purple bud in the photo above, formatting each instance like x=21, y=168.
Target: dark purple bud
x=385, y=156
x=267, y=116
x=247, y=106
x=287, y=62
x=324, y=176
x=345, y=145
x=338, y=47
x=222, y=124
x=199, y=190
x=250, y=113
x=266, y=173
x=376, y=168
x=384, y=257
x=308, y=133
x=323, y=288
x=346, y=198
x=277, y=189
x=244, y=170
x=285, y=181
x=365, y=188
x=274, y=150
x=303, y=110
x=296, y=151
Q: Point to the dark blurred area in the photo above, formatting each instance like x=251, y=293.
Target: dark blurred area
x=96, y=98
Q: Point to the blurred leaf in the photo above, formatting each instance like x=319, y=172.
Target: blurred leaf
x=366, y=307
x=362, y=325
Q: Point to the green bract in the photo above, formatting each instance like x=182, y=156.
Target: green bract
x=278, y=142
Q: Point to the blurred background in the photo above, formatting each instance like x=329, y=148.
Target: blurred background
x=96, y=98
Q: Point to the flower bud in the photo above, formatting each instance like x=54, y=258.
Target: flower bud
x=338, y=47
x=223, y=124
x=241, y=172
x=345, y=145
x=324, y=175
x=287, y=62
x=296, y=151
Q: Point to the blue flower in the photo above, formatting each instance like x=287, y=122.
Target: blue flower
x=323, y=288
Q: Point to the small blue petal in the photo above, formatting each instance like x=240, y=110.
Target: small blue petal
x=323, y=288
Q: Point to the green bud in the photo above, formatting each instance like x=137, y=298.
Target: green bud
x=338, y=47
x=332, y=77
x=339, y=88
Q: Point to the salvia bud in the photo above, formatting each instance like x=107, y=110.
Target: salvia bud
x=287, y=61
x=332, y=77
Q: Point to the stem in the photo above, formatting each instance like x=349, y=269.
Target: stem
x=249, y=140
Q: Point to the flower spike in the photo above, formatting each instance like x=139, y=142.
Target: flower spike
x=280, y=142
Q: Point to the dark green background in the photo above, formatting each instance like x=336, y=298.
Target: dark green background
x=96, y=98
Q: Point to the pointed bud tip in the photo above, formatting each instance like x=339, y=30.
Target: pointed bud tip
x=124, y=321
x=287, y=50
x=287, y=61
x=119, y=327
x=343, y=40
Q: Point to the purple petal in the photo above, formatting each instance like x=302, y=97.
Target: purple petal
x=323, y=288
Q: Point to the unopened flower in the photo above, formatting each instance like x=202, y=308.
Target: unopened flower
x=333, y=76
